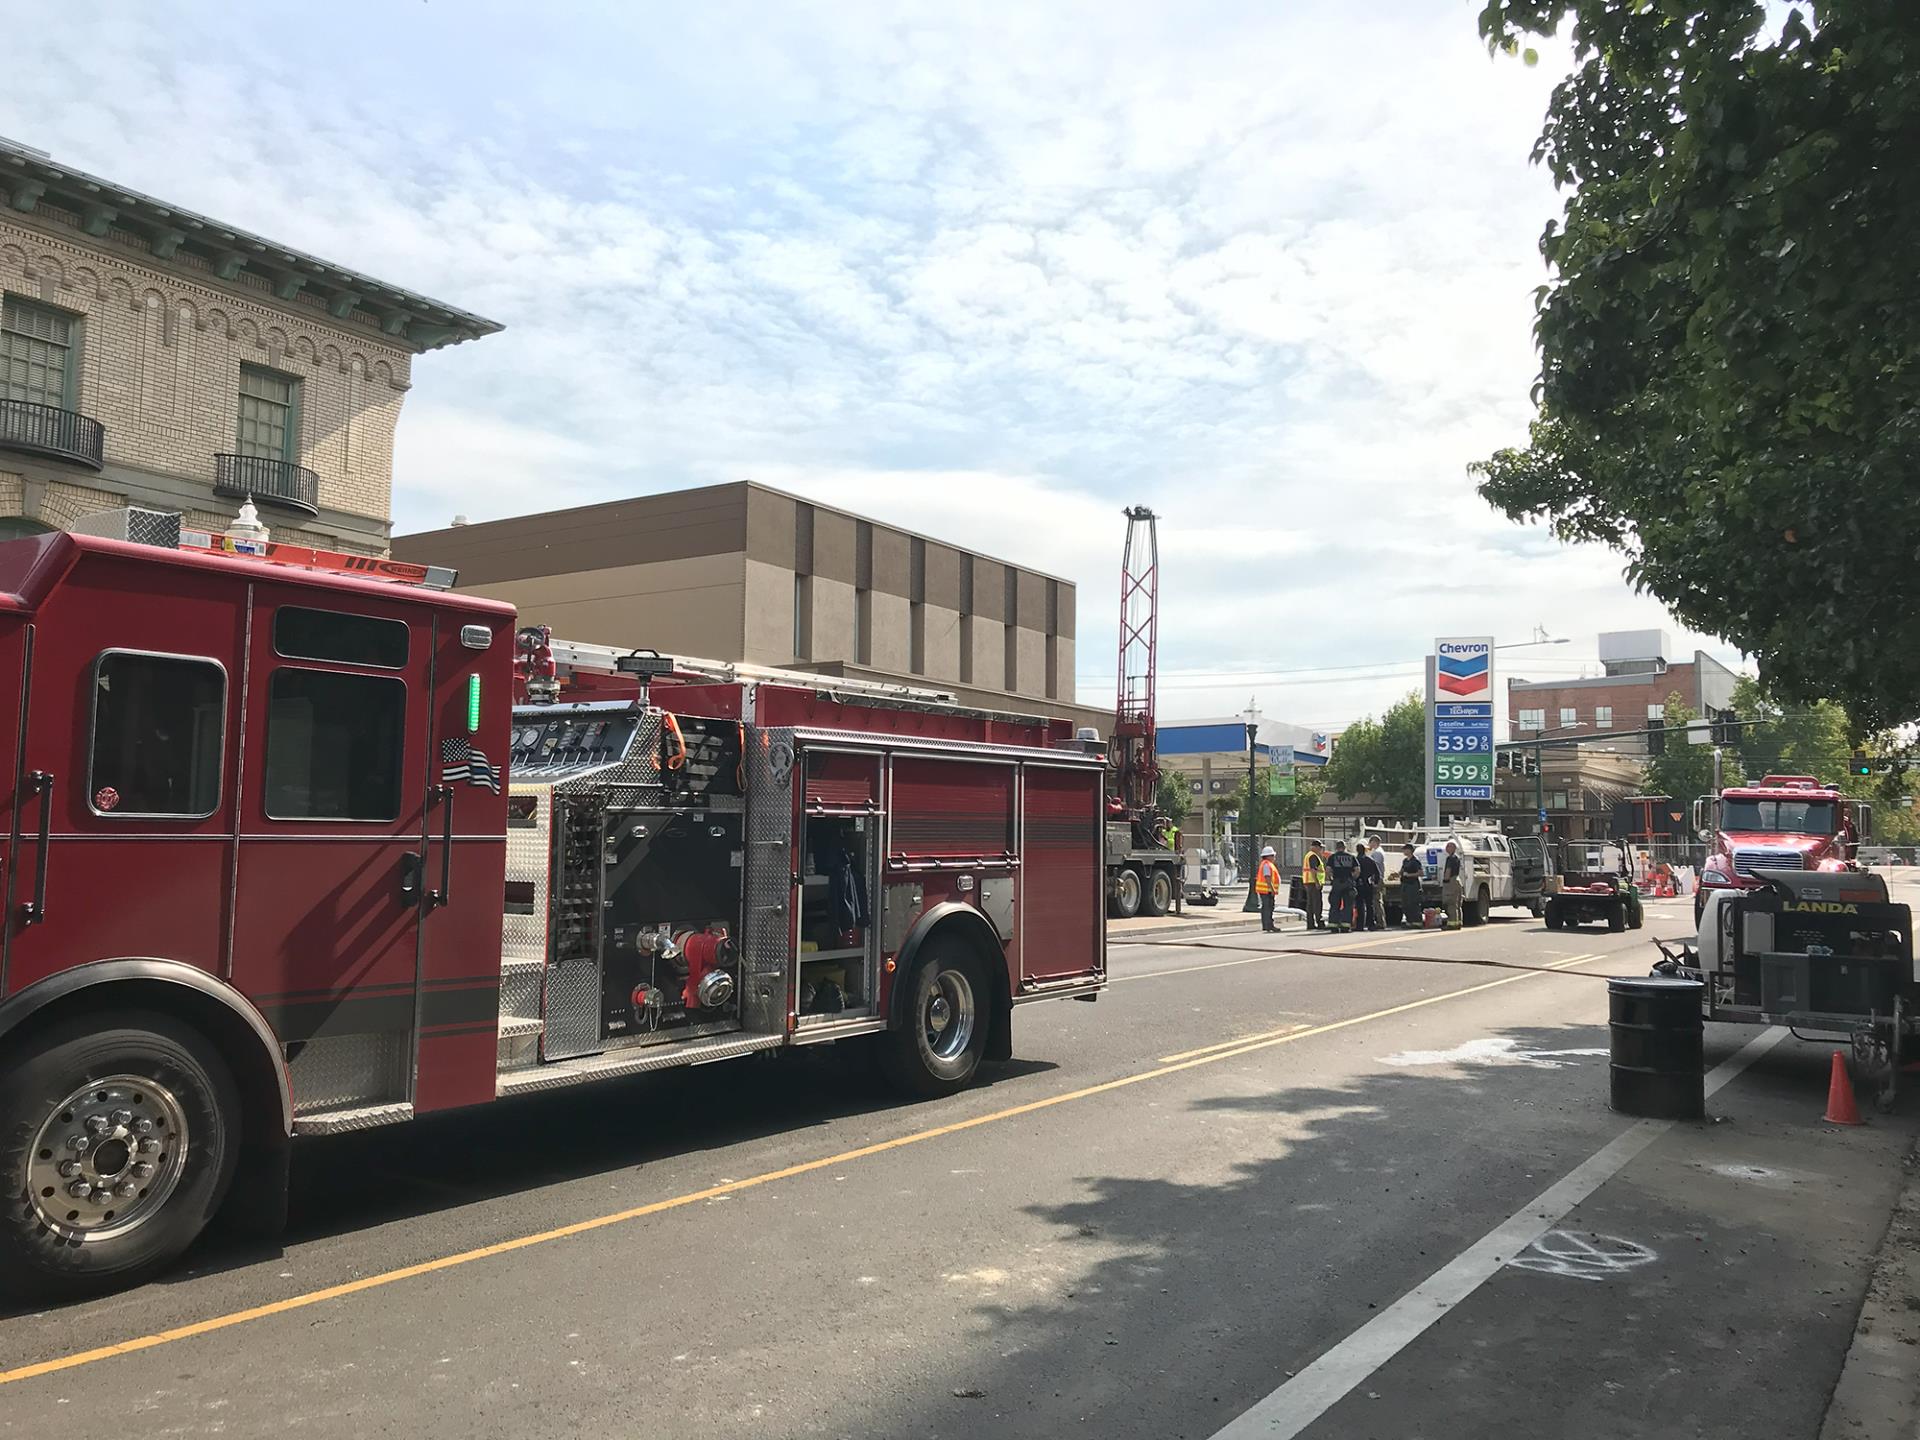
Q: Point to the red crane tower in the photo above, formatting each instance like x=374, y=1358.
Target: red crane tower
x=1136, y=768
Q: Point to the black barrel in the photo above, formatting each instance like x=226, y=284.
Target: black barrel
x=1297, y=893
x=1657, y=1065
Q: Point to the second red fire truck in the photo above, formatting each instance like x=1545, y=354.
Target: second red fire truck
x=291, y=852
x=1782, y=822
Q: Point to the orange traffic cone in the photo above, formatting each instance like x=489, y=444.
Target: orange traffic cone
x=1840, y=1107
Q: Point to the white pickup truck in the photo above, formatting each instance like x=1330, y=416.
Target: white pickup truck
x=1495, y=869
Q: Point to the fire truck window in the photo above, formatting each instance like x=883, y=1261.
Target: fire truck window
x=158, y=726
x=301, y=634
x=334, y=746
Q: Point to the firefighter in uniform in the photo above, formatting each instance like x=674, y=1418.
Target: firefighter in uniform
x=1313, y=877
x=1266, y=884
x=1377, y=857
x=1452, y=894
x=1363, y=886
x=1342, y=872
x=1412, y=908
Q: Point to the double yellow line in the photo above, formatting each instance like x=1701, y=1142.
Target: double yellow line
x=1191, y=1060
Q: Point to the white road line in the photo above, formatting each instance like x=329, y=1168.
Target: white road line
x=1329, y=1379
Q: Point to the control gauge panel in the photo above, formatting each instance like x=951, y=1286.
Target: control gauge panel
x=555, y=742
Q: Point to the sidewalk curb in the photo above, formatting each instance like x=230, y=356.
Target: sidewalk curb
x=1878, y=1394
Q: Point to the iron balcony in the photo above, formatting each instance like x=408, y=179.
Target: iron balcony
x=270, y=482
x=50, y=430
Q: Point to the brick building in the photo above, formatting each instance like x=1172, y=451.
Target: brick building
x=155, y=357
x=1630, y=695
x=744, y=573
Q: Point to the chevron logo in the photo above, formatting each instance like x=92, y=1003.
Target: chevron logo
x=1463, y=669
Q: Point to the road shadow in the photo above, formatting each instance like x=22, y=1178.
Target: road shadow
x=439, y=1162
x=1170, y=1304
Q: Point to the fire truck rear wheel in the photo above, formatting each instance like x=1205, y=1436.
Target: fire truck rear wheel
x=938, y=1050
x=117, y=1141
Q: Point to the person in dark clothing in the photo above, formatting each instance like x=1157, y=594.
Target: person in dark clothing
x=1342, y=870
x=1366, y=880
x=1452, y=892
x=1412, y=906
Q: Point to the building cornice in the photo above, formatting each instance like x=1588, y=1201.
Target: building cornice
x=107, y=216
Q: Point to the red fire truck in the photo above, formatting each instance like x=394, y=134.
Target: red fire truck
x=292, y=852
x=1782, y=822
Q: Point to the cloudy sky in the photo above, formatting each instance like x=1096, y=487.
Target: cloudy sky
x=988, y=271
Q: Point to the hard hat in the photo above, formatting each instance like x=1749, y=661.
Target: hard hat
x=1266, y=852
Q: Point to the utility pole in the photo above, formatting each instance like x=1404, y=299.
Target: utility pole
x=1432, y=800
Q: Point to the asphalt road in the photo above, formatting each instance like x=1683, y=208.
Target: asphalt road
x=1171, y=1205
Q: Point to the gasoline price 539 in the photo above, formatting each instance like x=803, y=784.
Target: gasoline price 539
x=1463, y=744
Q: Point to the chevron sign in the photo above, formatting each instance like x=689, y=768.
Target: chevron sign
x=1463, y=669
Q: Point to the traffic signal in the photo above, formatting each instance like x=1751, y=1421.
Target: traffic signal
x=1861, y=765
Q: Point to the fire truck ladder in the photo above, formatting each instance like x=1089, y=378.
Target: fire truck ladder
x=582, y=657
x=1134, y=742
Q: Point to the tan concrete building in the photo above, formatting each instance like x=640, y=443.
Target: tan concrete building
x=742, y=572
x=154, y=357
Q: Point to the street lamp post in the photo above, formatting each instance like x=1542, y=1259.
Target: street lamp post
x=1253, y=860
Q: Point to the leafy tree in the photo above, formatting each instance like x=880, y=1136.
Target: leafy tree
x=1685, y=770
x=1896, y=818
x=1385, y=758
x=1730, y=333
x=1173, y=796
x=1800, y=740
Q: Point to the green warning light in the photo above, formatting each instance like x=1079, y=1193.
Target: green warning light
x=473, y=703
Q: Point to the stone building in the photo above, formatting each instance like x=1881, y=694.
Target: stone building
x=744, y=573
x=154, y=357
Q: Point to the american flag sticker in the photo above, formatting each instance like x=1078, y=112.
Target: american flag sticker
x=460, y=760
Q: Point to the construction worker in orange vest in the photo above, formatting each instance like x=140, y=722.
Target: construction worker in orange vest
x=1266, y=884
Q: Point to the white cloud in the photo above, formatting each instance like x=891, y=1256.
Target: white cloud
x=990, y=272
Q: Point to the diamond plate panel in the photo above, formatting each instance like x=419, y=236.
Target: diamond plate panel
x=337, y=1072
x=632, y=1062
x=520, y=985
x=766, y=930
x=572, y=1009
x=529, y=852
x=342, y=1122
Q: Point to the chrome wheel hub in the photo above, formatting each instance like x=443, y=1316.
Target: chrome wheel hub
x=949, y=1019
x=106, y=1158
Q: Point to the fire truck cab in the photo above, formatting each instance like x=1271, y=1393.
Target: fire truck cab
x=292, y=852
x=1782, y=822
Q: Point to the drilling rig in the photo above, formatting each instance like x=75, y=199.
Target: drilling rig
x=1143, y=874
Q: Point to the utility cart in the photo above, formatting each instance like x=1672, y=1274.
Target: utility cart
x=1594, y=901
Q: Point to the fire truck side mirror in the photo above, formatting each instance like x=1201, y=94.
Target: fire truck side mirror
x=1700, y=815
